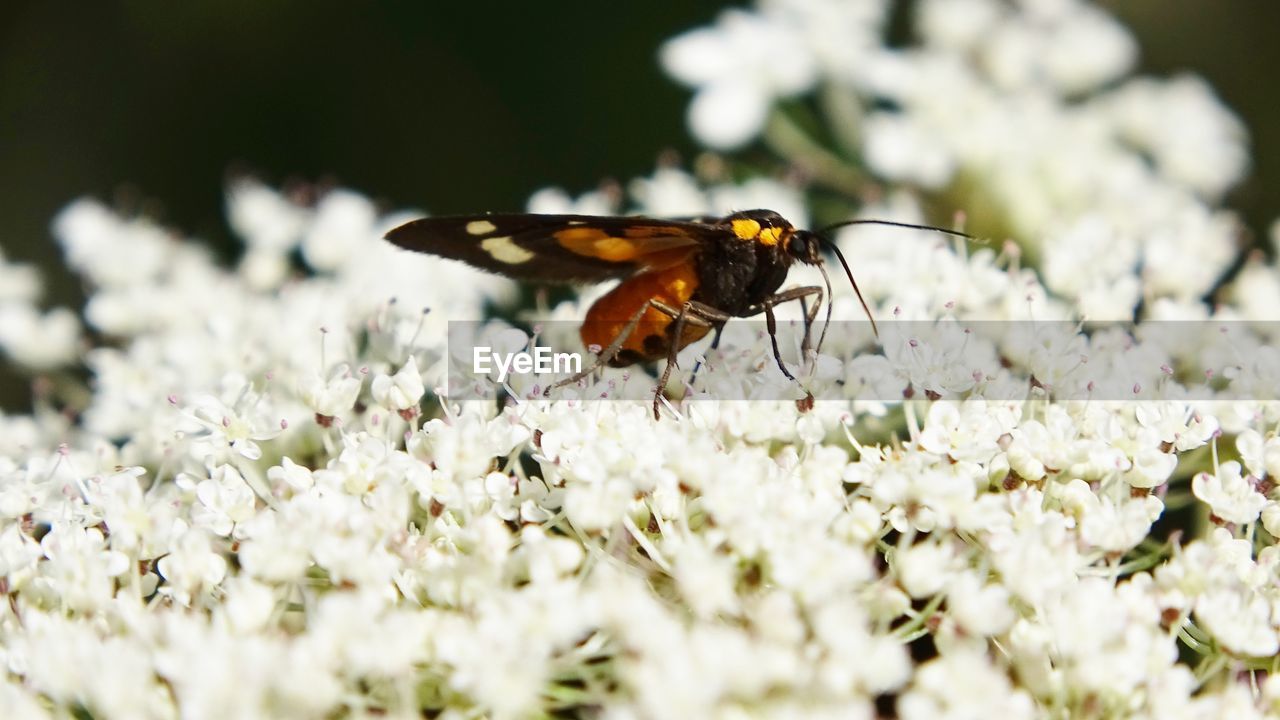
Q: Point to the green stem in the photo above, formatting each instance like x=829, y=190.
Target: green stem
x=844, y=112
x=909, y=630
x=787, y=139
x=1210, y=666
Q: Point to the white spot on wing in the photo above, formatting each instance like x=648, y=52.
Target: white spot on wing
x=505, y=251
x=480, y=227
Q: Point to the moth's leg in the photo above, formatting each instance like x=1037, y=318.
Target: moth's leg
x=694, y=313
x=698, y=314
x=804, y=310
x=715, y=343
x=767, y=305
x=810, y=313
x=810, y=317
x=772, y=324
x=607, y=354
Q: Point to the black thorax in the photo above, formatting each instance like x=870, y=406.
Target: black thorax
x=735, y=274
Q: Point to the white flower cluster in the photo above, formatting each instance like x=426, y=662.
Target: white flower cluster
x=261, y=505
x=1017, y=109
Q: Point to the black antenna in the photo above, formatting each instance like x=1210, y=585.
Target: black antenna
x=865, y=308
x=822, y=235
x=892, y=223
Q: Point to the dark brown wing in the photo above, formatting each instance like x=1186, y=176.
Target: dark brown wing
x=556, y=248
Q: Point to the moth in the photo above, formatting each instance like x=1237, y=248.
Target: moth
x=681, y=279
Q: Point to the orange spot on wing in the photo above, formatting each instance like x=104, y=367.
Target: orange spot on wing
x=579, y=235
x=641, y=242
x=615, y=249
x=648, y=231
x=595, y=243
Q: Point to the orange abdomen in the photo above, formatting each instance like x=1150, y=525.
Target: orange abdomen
x=608, y=317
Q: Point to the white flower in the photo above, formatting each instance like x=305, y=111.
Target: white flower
x=40, y=342
x=1205, y=148
x=332, y=396
x=1036, y=448
x=18, y=555
x=291, y=474
x=64, y=662
x=1262, y=458
x=266, y=220
x=935, y=360
x=548, y=557
x=958, y=24
x=670, y=193
x=554, y=201
x=1178, y=425
x=980, y=609
x=192, y=566
x=1229, y=494
x=277, y=546
x=844, y=36
x=1118, y=526
x=136, y=522
x=344, y=221
x=263, y=269
x=108, y=250
x=19, y=283
x=1189, y=227
x=736, y=74
x=159, y=557
x=970, y=431
x=401, y=391
x=463, y=447
x=924, y=569
x=232, y=422
x=1271, y=517
x=1242, y=621
x=597, y=505
x=225, y=499
x=902, y=148
x=81, y=567
x=248, y=606
x=706, y=577
x=21, y=702
x=963, y=684
x=1085, y=257
x=1076, y=51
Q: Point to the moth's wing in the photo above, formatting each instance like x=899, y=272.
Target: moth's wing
x=556, y=248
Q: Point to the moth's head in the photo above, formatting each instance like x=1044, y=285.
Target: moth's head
x=804, y=246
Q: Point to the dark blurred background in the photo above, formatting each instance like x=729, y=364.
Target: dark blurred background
x=449, y=106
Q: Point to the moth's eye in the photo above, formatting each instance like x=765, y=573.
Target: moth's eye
x=796, y=246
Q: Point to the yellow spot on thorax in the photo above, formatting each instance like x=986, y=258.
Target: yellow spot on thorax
x=746, y=229
x=770, y=236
